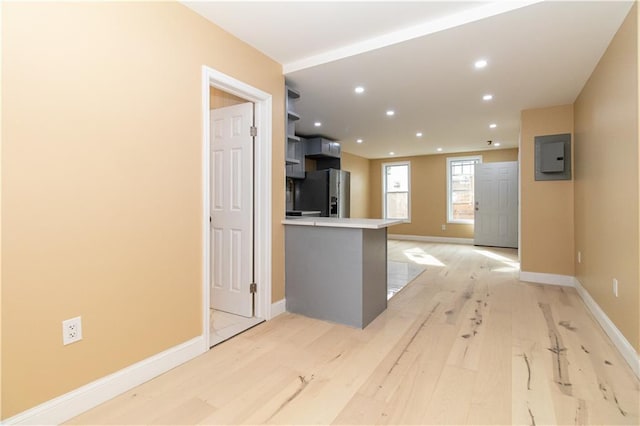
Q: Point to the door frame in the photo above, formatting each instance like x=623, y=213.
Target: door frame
x=262, y=190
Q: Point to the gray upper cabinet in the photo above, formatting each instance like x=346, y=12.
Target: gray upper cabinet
x=322, y=148
x=294, y=152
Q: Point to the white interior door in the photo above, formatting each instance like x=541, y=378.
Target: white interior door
x=496, y=204
x=232, y=209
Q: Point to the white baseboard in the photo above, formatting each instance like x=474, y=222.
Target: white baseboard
x=279, y=307
x=71, y=404
x=427, y=239
x=617, y=338
x=552, y=279
x=619, y=341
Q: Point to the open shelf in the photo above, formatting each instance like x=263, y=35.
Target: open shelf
x=292, y=93
x=294, y=147
x=292, y=116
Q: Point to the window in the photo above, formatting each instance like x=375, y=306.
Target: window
x=396, y=186
x=460, y=186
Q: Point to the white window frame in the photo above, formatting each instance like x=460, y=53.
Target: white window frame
x=450, y=160
x=384, y=188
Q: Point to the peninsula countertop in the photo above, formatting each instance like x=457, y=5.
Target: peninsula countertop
x=335, y=222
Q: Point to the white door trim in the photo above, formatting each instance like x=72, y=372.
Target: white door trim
x=262, y=187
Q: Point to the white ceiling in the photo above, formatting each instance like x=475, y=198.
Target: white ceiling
x=417, y=58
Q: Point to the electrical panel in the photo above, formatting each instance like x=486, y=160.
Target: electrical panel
x=553, y=157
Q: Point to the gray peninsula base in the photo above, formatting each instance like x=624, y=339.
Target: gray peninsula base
x=337, y=274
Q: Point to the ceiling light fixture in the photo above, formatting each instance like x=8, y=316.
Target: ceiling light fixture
x=487, y=97
x=439, y=149
x=359, y=89
x=493, y=125
x=317, y=124
x=392, y=153
x=391, y=112
x=359, y=141
x=419, y=134
x=480, y=64
x=496, y=144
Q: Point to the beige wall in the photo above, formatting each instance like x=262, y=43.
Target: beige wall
x=428, y=193
x=101, y=184
x=606, y=182
x=546, y=206
x=359, y=168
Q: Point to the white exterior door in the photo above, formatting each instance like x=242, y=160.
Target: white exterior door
x=232, y=209
x=496, y=204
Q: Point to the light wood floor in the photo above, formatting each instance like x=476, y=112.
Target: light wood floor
x=465, y=343
x=223, y=325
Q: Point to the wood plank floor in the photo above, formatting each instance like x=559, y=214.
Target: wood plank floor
x=464, y=343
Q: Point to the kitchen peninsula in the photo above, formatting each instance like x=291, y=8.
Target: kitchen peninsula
x=336, y=268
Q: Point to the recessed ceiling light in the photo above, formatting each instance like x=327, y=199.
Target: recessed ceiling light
x=480, y=63
x=439, y=149
x=392, y=153
x=419, y=134
x=359, y=141
x=390, y=112
x=487, y=97
x=496, y=144
x=359, y=89
x=493, y=125
x=317, y=124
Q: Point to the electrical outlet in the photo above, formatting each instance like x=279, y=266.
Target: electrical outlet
x=71, y=330
x=444, y=227
x=615, y=287
x=579, y=257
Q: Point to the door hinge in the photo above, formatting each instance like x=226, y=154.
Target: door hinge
x=253, y=288
x=253, y=130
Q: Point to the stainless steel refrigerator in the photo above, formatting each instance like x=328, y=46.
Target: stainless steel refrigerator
x=326, y=190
